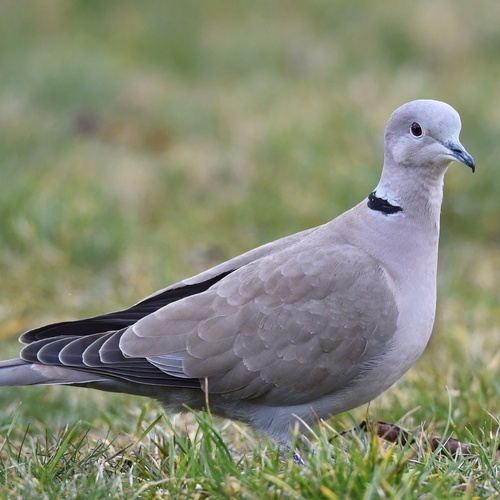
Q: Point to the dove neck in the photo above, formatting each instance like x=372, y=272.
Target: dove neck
x=410, y=190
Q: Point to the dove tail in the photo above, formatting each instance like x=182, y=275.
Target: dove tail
x=14, y=372
x=17, y=372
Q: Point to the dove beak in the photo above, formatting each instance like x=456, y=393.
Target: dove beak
x=459, y=153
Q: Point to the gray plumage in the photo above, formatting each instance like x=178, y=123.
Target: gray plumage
x=304, y=327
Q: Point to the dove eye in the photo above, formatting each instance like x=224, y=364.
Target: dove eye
x=416, y=130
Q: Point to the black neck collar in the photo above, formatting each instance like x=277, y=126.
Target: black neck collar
x=381, y=205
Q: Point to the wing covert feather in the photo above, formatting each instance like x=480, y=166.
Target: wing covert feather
x=290, y=325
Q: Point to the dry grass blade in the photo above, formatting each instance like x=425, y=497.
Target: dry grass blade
x=396, y=434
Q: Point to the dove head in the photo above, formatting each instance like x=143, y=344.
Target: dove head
x=425, y=133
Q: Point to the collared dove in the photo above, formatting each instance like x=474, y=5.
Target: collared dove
x=294, y=331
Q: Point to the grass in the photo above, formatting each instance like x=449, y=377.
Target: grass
x=141, y=144
x=160, y=457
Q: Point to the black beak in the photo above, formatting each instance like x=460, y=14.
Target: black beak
x=459, y=153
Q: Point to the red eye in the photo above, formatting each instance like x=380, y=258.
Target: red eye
x=416, y=130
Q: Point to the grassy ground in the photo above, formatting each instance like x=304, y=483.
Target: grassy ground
x=143, y=142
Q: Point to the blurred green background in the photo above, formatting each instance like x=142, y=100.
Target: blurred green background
x=142, y=142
